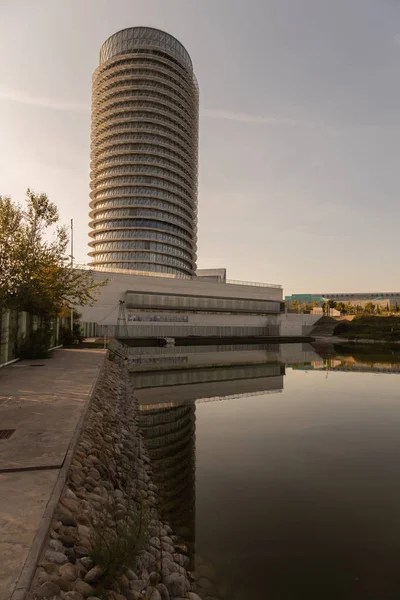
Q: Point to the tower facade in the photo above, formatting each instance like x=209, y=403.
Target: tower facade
x=144, y=155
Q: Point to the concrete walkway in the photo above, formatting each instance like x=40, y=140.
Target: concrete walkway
x=43, y=401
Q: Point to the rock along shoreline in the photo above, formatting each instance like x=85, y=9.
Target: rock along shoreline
x=91, y=551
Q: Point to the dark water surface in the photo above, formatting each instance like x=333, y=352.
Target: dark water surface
x=287, y=484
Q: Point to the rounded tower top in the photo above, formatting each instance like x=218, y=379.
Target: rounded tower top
x=130, y=39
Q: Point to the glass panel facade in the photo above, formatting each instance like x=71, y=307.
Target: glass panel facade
x=156, y=107
x=138, y=212
x=154, y=145
x=111, y=182
x=140, y=152
x=133, y=191
x=168, y=206
x=141, y=245
x=202, y=303
x=144, y=156
x=145, y=256
x=142, y=266
x=120, y=234
x=149, y=96
x=115, y=132
x=166, y=170
x=157, y=74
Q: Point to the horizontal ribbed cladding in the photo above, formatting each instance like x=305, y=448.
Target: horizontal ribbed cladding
x=170, y=435
x=144, y=169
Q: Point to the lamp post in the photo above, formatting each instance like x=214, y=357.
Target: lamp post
x=72, y=266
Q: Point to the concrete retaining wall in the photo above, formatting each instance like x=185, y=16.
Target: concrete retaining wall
x=296, y=325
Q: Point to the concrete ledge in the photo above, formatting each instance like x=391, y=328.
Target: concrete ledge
x=28, y=571
x=217, y=341
x=10, y=362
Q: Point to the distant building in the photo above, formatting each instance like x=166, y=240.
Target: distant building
x=305, y=299
x=391, y=297
x=355, y=298
x=144, y=169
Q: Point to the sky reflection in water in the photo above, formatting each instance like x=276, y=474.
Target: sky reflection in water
x=297, y=493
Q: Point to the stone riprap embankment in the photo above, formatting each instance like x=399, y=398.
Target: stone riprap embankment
x=106, y=539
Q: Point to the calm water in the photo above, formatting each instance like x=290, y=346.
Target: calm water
x=281, y=470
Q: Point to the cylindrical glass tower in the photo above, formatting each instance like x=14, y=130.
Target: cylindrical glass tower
x=145, y=118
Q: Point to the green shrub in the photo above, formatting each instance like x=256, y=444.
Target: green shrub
x=36, y=344
x=342, y=327
x=67, y=338
x=118, y=539
x=374, y=328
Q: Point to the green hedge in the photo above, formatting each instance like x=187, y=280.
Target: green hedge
x=370, y=327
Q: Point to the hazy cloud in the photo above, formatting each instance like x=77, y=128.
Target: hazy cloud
x=22, y=97
x=227, y=115
x=396, y=40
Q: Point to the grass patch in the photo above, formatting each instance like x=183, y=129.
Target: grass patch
x=119, y=538
x=370, y=327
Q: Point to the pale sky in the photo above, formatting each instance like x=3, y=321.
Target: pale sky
x=299, y=127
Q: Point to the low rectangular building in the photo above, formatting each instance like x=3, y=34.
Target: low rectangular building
x=133, y=305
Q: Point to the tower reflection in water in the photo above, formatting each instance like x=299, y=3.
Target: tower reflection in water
x=168, y=384
x=169, y=433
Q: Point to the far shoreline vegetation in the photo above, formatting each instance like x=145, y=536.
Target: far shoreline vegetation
x=370, y=327
x=369, y=322
x=369, y=352
x=347, y=308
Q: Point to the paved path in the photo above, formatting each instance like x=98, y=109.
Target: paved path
x=43, y=401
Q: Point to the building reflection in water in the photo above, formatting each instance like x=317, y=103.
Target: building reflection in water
x=169, y=433
x=168, y=384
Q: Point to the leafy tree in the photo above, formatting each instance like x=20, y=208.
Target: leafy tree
x=305, y=307
x=35, y=274
x=10, y=238
x=295, y=305
x=328, y=305
x=341, y=307
x=369, y=308
x=350, y=308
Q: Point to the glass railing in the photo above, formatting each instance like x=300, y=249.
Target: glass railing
x=253, y=283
